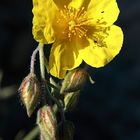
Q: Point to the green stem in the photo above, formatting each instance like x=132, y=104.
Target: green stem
x=52, y=86
x=42, y=71
x=60, y=107
x=31, y=135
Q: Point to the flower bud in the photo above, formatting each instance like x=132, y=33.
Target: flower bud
x=66, y=130
x=47, y=123
x=42, y=137
x=71, y=100
x=30, y=92
x=74, y=80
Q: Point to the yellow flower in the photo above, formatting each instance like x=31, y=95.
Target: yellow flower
x=80, y=30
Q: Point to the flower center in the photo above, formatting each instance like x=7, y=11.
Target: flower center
x=72, y=22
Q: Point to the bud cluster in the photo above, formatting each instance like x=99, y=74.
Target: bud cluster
x=30, y=93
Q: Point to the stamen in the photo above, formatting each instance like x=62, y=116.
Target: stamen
x=73, y=21
x=80, y=11
x=80, y=32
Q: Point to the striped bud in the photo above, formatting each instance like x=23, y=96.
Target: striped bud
x=71, y=100
x=66, y=130
x=30, y=92
x=47, y=123
x=74, y=80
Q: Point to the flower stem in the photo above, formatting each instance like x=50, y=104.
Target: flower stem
x=33, y=60
x=52, y=86
x=60, y=107
x=42, y=71
x=32, y=134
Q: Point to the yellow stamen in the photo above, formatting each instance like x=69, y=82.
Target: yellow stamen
x=73, y=21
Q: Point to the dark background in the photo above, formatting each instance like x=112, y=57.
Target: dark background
x=108, y=110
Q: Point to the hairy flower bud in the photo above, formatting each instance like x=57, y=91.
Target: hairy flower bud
x=47, y=123
x=30, y=92
x=66, y=130
x=71, y=100
x=74, y=80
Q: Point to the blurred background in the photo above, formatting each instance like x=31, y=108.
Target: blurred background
x=108, y=110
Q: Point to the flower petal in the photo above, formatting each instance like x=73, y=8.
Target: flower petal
x=102, y=12
x=98, y=56
x=44, y=12
x=63, y=56
x=76, y=4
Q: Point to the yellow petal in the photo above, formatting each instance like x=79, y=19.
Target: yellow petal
x=102, y=12
x=98, y=56
x=44, y=12
x=77, y=4
x=63, y=56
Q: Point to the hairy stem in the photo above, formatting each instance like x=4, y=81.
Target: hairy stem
x=33, y=60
